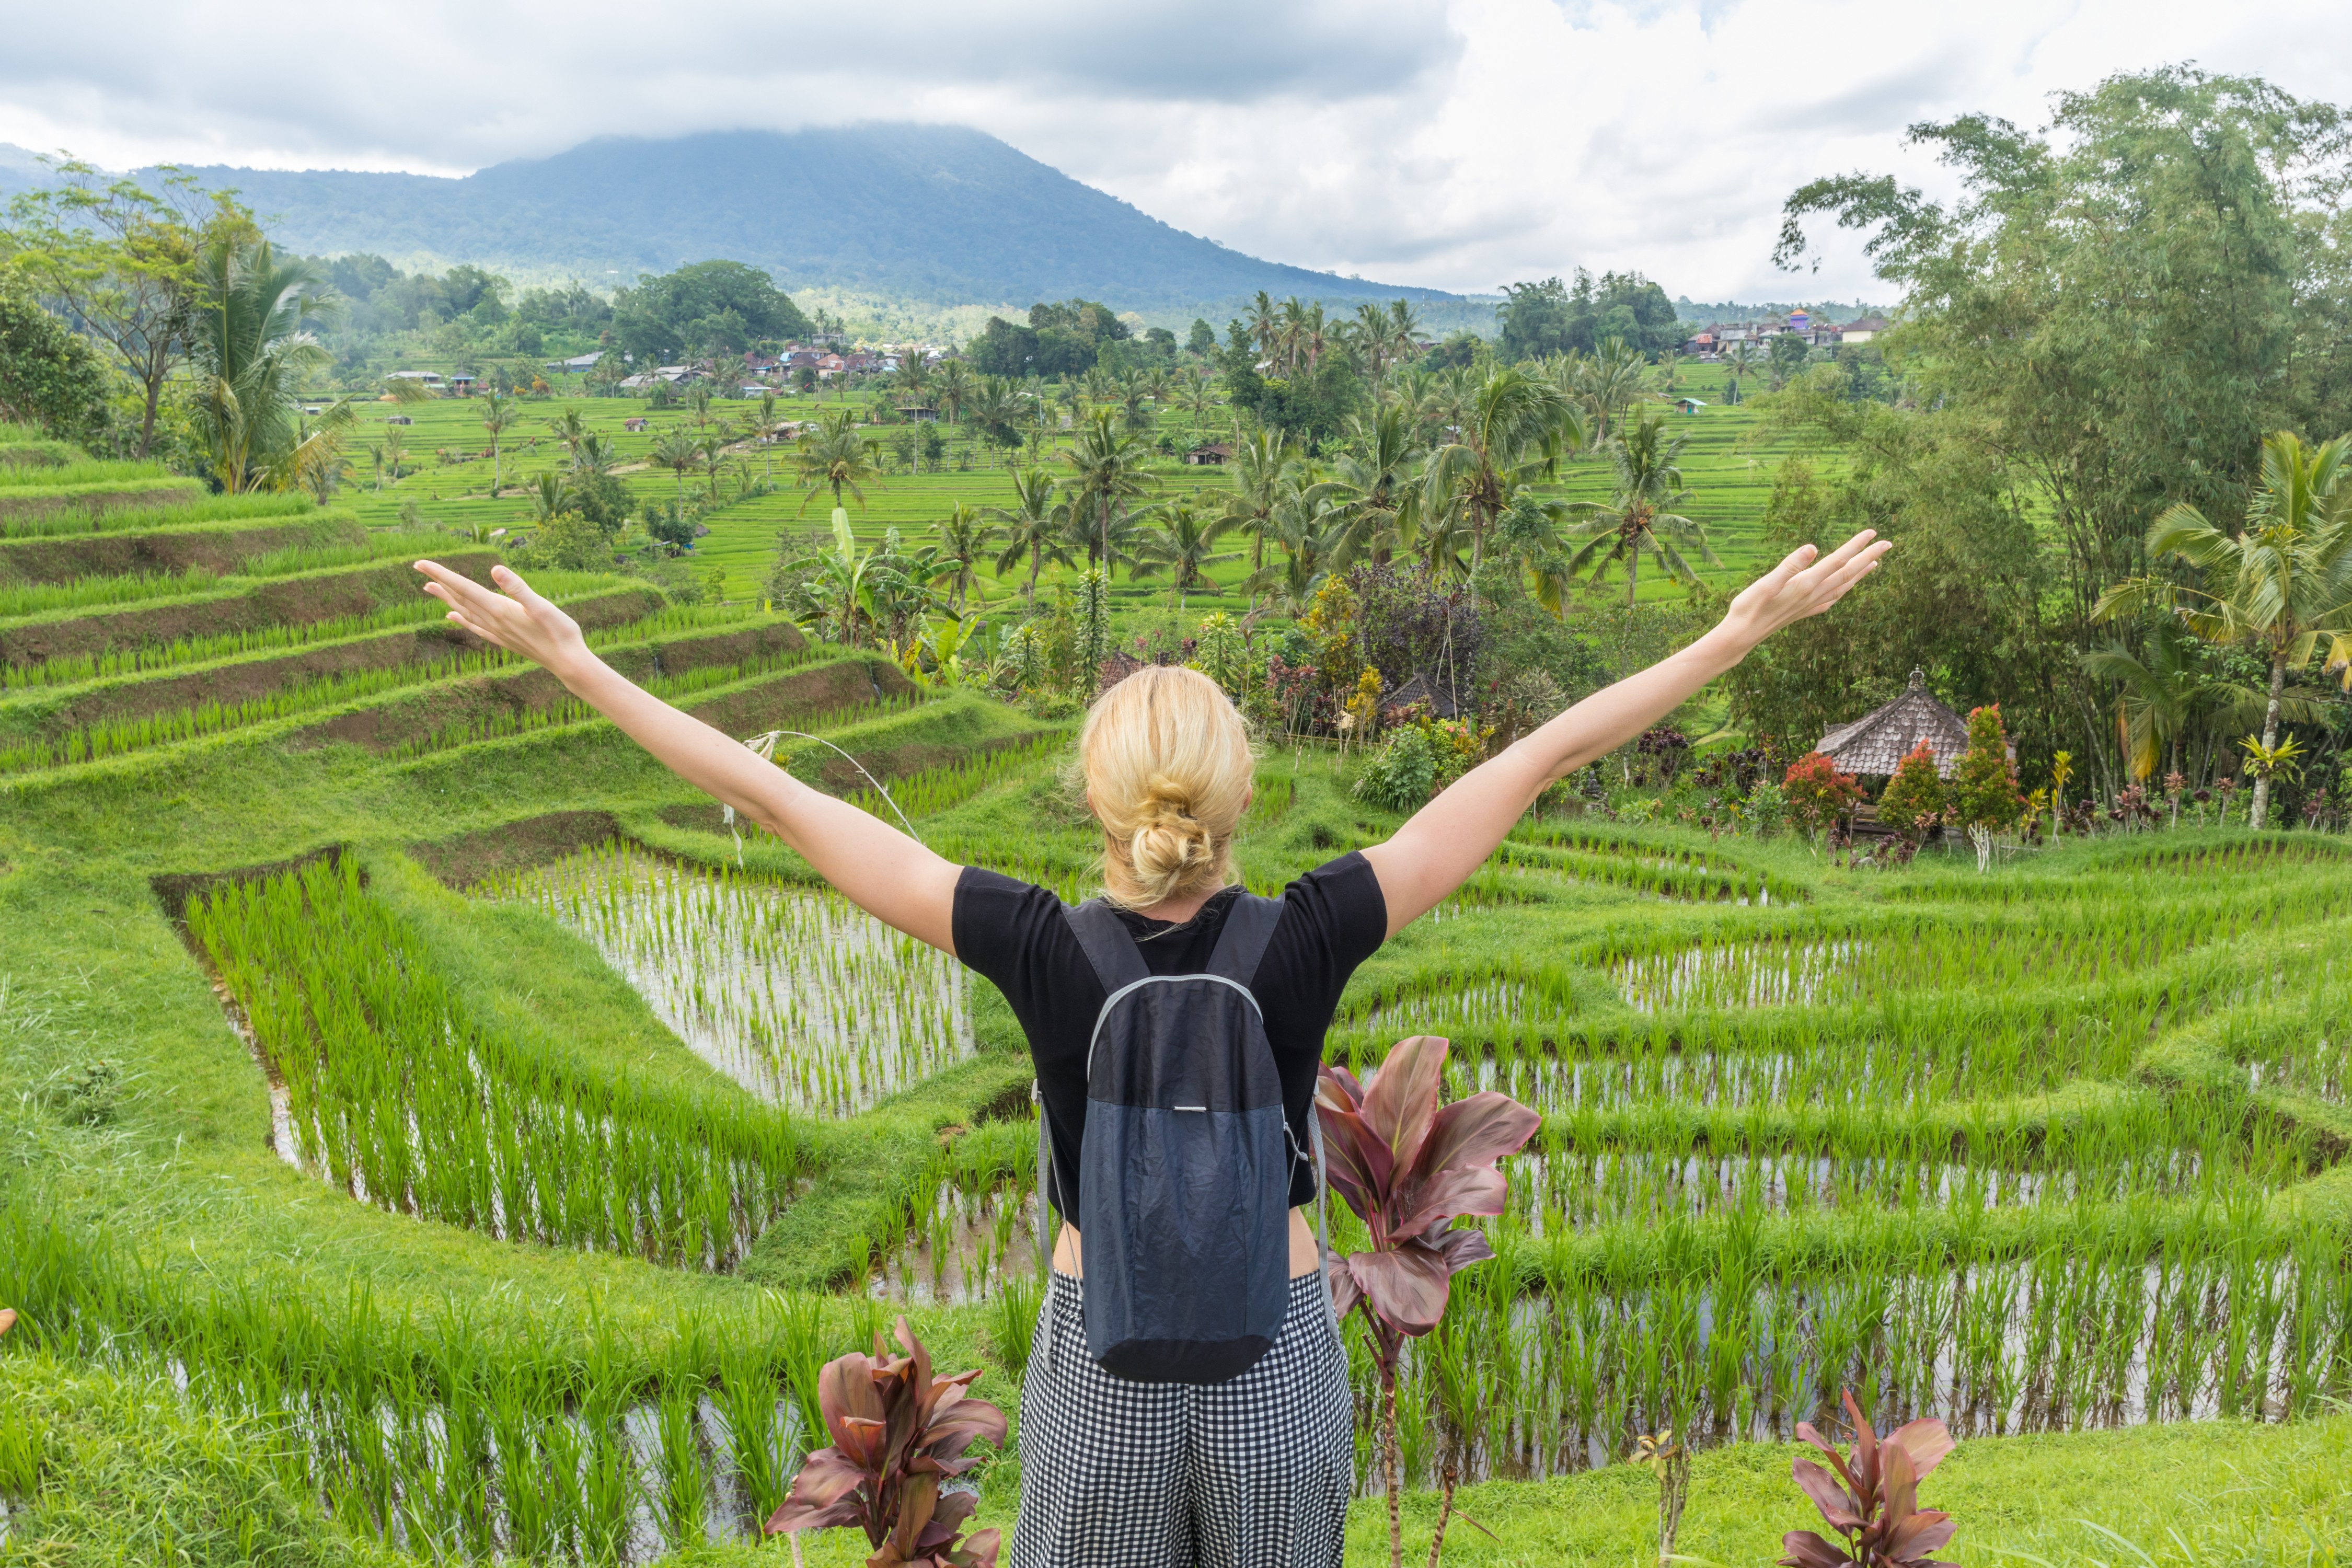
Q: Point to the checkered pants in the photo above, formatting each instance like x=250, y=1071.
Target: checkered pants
x=1253, y=1472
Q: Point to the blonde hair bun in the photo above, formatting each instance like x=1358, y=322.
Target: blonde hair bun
x=1167, y=764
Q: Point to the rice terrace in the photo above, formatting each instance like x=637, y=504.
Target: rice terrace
x=435, y=1132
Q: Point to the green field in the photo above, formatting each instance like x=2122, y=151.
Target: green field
x=1729, y=474
x=433, y=1134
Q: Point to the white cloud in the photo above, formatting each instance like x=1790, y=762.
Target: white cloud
x=1454, y=146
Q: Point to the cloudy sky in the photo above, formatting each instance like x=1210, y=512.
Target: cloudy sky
x=1454, y=145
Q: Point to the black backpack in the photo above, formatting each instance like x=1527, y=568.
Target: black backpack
x=1184, y=1187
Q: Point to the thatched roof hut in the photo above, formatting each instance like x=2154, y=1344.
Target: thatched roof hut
x=1420, y=689
x=1875, y=742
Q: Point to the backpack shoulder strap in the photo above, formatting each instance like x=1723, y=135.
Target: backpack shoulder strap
x=1108, y=945
x=1241, y=946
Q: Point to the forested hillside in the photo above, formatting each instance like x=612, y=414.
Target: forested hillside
x=929, y=212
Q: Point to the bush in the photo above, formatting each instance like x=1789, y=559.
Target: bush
x=567, y=542
x=1766, y=809
x=1817, y=792
x=1914, y=796
x=49, y=377
x=1403, y=774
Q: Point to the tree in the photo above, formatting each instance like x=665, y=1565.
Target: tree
x=1185, y=543
x=1636, y=523
x=955, y=388
x=1034, y=526
x=1985, y=796
x=251, y=345
x=1108, y=471
x=678, y=452
x=1817, y=793
x=119, y=260
x=2122, y=302
x=1914, y=797
x=965, y=535
x=712, y=305
x=2172, y=690
x=49, y=377
x=1514, y=422
x=1264, y=465
x=1741, y=358
x=498, y=414
x=1373, y=482
x=2281, y=586
x=834, y=456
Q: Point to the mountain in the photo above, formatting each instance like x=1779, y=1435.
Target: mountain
x=943, y=214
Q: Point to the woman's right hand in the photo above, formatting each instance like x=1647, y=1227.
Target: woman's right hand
x=516, y=618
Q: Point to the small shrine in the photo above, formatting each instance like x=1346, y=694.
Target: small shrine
x=1880, y=740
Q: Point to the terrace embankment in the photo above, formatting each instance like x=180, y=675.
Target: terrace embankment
x=415, y=649
x=286, y=600
x=485, y=854
x=45, y=500
x=486, y=702
x=219, y=548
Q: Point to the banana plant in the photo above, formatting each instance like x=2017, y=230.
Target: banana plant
x=1409, y=1167
x=897, y=1432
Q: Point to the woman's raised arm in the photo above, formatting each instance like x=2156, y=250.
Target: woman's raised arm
x=1451, y=837
x=878, y=867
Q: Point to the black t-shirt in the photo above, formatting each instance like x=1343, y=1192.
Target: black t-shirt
x=1333, y=919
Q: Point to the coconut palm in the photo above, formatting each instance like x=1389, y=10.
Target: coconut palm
x=1512, y=422
x=1637, y=521
x=571, y=430
x=965, y=535
x=1612, y=380
x=678, y=452
x=1184, y=543
x=1035, y=525
x=834, y=456
x=1372, y=481
x=1107, y=472
x=497, y=417
x=1263, y=461
x=595, y=456
x=1741, y=356
x=250, y=346
x=395, y=446
x=2280, y=585
x=768, y=430
x=955, y=385
x=2169, y=692
x=1200, y=396
x=1313, y=539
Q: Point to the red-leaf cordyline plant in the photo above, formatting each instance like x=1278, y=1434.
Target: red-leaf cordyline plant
x=1408, y=1166
x=1873, y=1499
x=896, y=1433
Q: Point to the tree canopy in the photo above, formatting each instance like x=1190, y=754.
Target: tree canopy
x=710, y=307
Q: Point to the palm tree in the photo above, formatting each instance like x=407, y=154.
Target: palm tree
x=1613, y=382
x=1739, y=356
x=2162, y=697
x=549, y=499
x=1263, y=323
x=1513, y=422
x=964, y=538
x=1404, y=331
x=1313, y=539
x=1263, y=460
x=596, y=456
x=1185, y=543
x=1372, y=337
x=1373, y=481
x=955, y=387
x=1107, y=463
x=713, y=447
x=250, y=346
x=1637, y=523
x=571, y=430
x=1199, y=396
x=1035, y=525
x=834, y=456
x=678, y=452
x=395, y=446
x=697, y=405
x=2280, y=585
x=767, y=429
x=498, y=416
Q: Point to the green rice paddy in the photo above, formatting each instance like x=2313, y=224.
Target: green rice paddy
x=433, y=1134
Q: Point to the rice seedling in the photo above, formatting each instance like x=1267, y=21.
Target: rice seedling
x=795, y=994
x=194, y=507
x=154, y=658
x=397, y=1099
x=935, y=790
